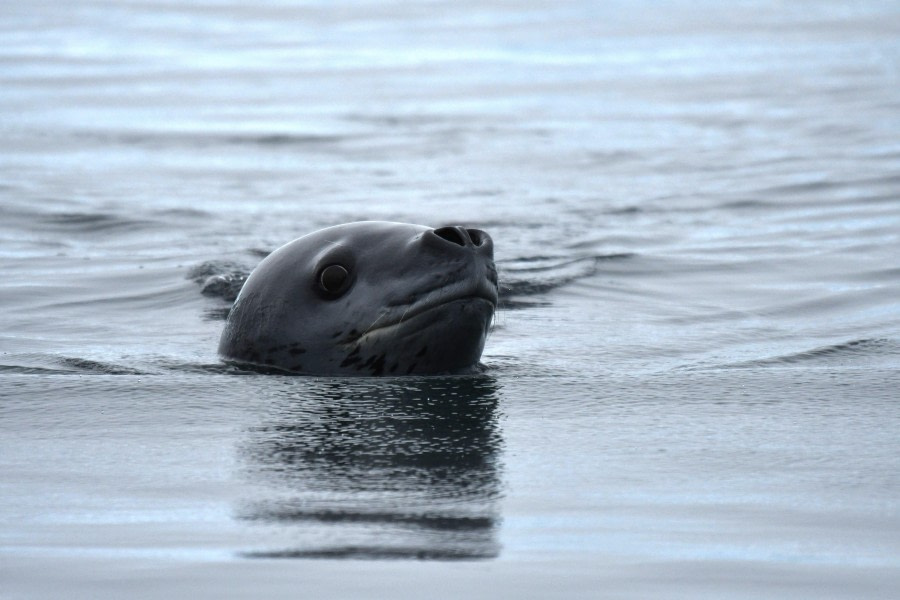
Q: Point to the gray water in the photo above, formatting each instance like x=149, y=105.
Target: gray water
x=691, y=388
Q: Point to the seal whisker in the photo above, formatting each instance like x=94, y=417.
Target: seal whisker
x=369, y=328
x=405, y=312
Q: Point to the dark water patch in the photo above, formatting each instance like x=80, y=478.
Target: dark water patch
x=889, y=275
x=281, y=140
x=818, y=186
x=889, y=197
x=226, y=286
x=625, y=210
x=433, y=521
x=376, y=553
x=747, y=204
x=55, y=365
x=207, y=140
x=220, y=279
x=93, y=223
x=85, y=365
x=29, y=370
x=33, y=216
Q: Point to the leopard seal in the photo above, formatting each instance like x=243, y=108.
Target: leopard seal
x=367, y=298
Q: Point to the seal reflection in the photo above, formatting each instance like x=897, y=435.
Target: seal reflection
x=379, y=469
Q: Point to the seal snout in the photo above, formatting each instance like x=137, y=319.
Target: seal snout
x=475, y=249
x=456, y=235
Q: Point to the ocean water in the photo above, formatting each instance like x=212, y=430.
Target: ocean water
x=692, y=387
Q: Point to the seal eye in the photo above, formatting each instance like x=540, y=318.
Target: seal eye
x=332, y=279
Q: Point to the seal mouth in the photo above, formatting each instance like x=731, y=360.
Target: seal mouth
x=420, y=310
x=480, y=293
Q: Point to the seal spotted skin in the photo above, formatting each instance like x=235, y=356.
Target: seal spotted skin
x=367, y=298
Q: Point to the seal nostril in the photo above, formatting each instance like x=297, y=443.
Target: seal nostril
x=451, y=234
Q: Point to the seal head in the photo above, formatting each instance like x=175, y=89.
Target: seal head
x=367, y=298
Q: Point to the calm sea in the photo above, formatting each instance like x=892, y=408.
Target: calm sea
x=692, y=388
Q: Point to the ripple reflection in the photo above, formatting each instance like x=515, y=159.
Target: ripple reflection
x=379, y=469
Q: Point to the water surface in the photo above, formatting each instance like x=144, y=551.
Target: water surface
x=690, y=388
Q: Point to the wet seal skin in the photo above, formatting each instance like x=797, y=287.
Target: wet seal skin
x=367, y=298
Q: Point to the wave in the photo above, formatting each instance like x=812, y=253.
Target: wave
x=827, y=355
x=207, y=139
x=65, y=365
x=220, y=278
x=77, y=223
x=49, y=364
x=82, y=222
x=531, y=276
